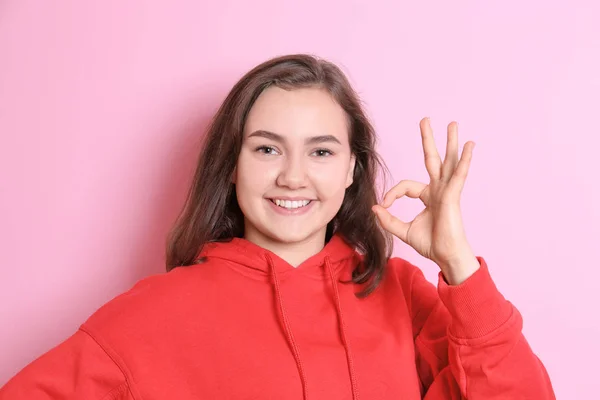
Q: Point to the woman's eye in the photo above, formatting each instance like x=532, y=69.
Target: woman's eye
x=323, y=153
x=266, y=150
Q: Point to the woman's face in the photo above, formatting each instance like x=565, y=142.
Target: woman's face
x=294, y=165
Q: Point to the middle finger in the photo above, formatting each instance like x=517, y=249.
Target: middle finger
x=451, y=158
x=433, y=162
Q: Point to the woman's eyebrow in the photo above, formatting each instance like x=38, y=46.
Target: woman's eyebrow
x=280, y=139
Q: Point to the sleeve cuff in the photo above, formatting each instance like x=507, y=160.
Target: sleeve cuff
x=476, y=306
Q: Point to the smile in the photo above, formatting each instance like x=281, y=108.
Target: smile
x=290, y=204
x=291, y=208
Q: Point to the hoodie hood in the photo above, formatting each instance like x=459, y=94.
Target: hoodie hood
x=327, y=264
x=245, y=253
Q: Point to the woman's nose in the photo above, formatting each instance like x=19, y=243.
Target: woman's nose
x=292, y=174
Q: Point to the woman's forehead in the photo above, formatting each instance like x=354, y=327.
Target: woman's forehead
x=297, y=114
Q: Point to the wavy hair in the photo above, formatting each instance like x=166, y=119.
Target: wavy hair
x=211, y=212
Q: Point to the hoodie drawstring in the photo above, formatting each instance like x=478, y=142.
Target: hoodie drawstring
x=287, y=329
x=338, y=304
x=290, y=336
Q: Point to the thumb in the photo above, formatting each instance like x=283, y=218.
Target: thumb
x=390, y=223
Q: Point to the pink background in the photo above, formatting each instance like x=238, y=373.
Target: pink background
x=102, y=105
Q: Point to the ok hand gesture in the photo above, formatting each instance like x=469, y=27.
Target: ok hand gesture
x=436, y=233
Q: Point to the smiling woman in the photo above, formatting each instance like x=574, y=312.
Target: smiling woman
x=295, y=130
x=280, y=283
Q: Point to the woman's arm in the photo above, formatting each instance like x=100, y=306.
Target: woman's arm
x=469, y=343
x=77, y=368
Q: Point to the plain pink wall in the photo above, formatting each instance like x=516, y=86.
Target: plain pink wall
x=102, y=105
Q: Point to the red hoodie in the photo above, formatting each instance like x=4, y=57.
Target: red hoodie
x=247, y=325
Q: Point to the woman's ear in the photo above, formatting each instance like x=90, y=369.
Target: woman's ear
x=233, y=175
x=350, y=177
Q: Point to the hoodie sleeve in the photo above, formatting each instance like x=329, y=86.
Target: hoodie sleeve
x=469, y=344
x=77, y=368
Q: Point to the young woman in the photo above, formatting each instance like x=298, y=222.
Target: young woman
x=281, y=284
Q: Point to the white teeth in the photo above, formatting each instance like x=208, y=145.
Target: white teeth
x=291, y=204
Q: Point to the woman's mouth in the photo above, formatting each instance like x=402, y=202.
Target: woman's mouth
x=291, y=207
x=291, y=204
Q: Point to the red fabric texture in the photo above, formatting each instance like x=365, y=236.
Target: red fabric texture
x=247, y=325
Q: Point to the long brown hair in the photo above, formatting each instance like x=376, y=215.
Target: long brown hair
x=211, y=211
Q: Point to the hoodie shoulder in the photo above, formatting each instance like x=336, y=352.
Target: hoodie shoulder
x=152, y=299
x=403, y=271
x=408, y=277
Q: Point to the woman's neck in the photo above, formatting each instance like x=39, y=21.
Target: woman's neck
x=294, y=253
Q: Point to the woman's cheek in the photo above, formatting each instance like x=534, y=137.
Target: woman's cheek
x=329, y=181
x=258, y=173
